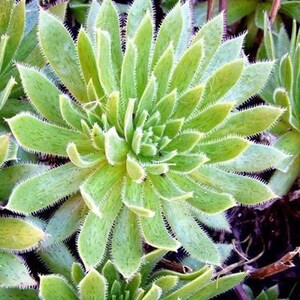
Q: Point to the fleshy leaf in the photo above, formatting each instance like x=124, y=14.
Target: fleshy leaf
x=95, y=231
x=127, y=244
x=93, y=286
x=13, y=272
x=60, y=50
x=181, y=222
x=38, y=135
x=55, y=287
x=19, y=235
x=45, y=189
x=245, y=190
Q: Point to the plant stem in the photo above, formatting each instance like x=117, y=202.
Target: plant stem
x=210, y=9
x=274, y=10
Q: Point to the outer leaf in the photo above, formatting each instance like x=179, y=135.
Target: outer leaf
x=18, y=294
x=60, y=50
x=93, y=286
x=210, y=117
x=127, y=244
x=192, y=287
x=218, y=286
x=186, y=68
x=244, y=189
x=10, y=176
x=5, y=13
x=204, y=199
x=19, y=235
x=14, y=31
x=136, y=14
x=181, y=222
x=248, y=122
x=222, y=81
x=256, y=158
x=65, y=221
x=54, y=287
x=257, y=74
x=4, y=148
x=58, y=259
x=43, y=190
x=154, y=293
x=43, y=94
x=108, y=20
x=172, y=23
x=13, y=272
x=216, y=221
x=143, y=43
x=154, y=229
x=37, y=135
x=95, y=231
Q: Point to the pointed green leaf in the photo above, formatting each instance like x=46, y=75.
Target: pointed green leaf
x=166, y=189
x=4, y=148
x=187, y=163
x=167, y=282
x=143, y=42
x=104, y=61
x=186, y=68
x=19, y=235
x=256, y=158
x=94, y=234
x=12, y=175
x=222, y=81
x=192, y=286
x=172, y=23
x=154, y=229
x=93, y=286
x=96, y=187
x=37, y=135
x=71, y=112
x=212, y=34
x=188, y=102
x=5, y=13
x=65, y=221
x=77, y=272
x=248, y=122
x=128, y=73
x=13, y=273
x=15, y=31
x=229, y=51
x=55, y=287
x=256, y=74
x=6, y=92
x=108, y=20
x=45, y=189
x=286, y=73
x=162, y=71
x=60, y=51
x=224, y=149
x=136, y=15
x=244, y=189
x=43, y=94
x=19, y=294
x=219, y=286
x=128, y=120
x=166, y=106
x=58, y=259
x=210, y=117
x=204, y=199
x=197, y=243
x=217, y=222
x=173, y=127
x=127, y=244
x=184, y=141
x=92, y=19
x=88, y=62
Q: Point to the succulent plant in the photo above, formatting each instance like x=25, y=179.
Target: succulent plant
x=152, y=129
x=283, y=90
x=106, y=283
